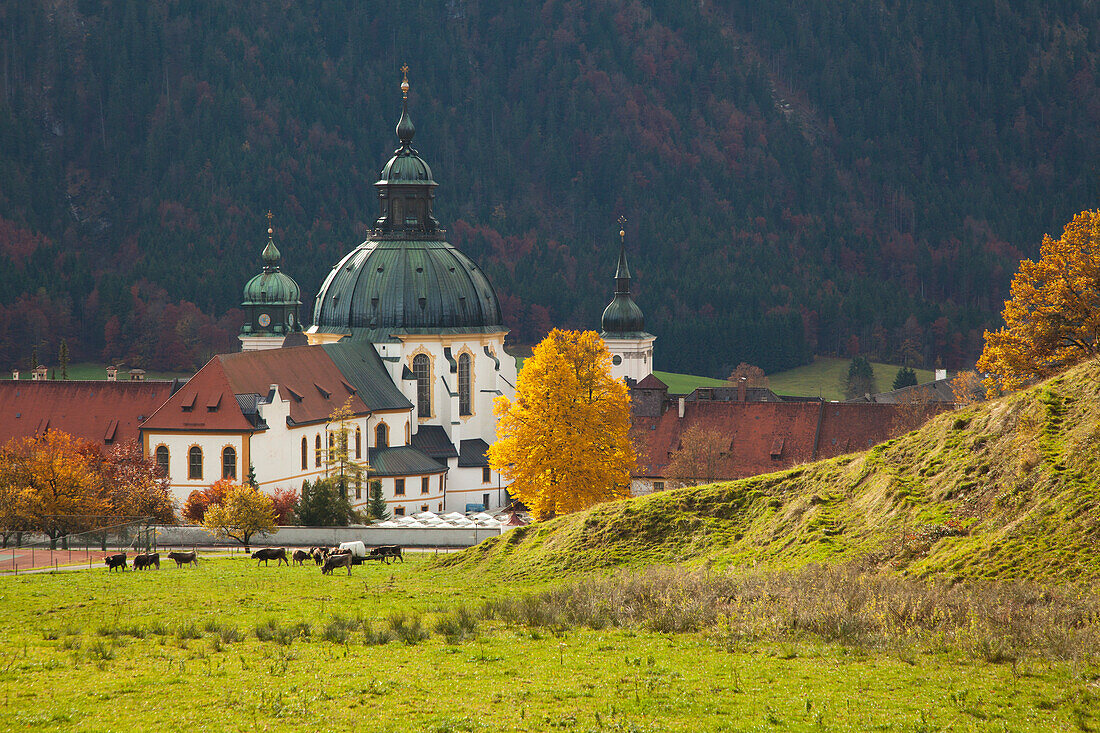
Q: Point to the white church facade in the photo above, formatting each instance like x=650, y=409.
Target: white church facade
x=406, y=331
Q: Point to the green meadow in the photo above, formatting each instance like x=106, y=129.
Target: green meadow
x=421, y=646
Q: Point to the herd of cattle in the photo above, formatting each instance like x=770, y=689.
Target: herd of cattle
x=329, y=558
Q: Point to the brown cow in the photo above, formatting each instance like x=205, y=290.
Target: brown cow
x=336, y=561
x=318, y=555
x=270, y=553
x=300, y=556
x=118, y=560
x=184, y=558
x=151, y=559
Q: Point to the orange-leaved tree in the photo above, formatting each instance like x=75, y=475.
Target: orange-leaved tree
x=563, y=443
x=1052, y=319
x=199, y=500
x=242, y=513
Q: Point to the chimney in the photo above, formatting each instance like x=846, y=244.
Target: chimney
x=941, y=374
x=15, y=374
x=681, y=403
x=137, y=375
x=742, y=390
x=112, y=373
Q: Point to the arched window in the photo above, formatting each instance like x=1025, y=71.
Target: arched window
x=464, y=405
x=422, y=370
x=162, y=460
x=305, y=454
x=358, y=443
x=381, y=435
x=194, y=462
x=229, y=463
x=317, y=451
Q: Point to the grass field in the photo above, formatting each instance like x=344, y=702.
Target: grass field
x=820, y=379
x=88, y=370
x=232, y=646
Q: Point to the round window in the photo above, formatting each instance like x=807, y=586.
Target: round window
x=616, y=360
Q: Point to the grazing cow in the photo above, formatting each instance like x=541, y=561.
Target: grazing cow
x=389, y=551
x=270, y=553
x=183, y=558
x=118, y=560
x=300, y=556
x=336, y=561
x=151, y=559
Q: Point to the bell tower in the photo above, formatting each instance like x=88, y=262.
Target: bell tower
x=271, y=302
x=623, y=325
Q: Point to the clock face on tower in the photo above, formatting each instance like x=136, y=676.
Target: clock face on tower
x=264, y=320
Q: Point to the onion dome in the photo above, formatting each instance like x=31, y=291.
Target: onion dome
x=622, y=318
x=272, y=298
x=406, y=278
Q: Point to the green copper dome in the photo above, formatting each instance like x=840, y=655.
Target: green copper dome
x=272, y=298
x=622, y=318
x=406, y=278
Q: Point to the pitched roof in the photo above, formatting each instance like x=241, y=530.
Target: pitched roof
x=432, y=440
x=651, y=382
x=361, y=365
x=760, y=437
x=96, y=411
x=471, y=453
x=938, y=391
x=401, y=460
x=307, y=375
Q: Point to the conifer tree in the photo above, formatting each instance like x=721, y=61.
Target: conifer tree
x=905, y=377
x=377, y=507
x=860, y=379
x=63, y=359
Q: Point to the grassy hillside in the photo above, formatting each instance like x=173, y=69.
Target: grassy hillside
x=1005, y=489
x=822, y=378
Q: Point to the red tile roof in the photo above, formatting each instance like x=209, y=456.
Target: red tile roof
x=305, y=374
x=767, y=436
x=95, y=411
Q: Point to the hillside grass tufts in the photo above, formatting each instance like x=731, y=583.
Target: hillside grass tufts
x=1008, y=489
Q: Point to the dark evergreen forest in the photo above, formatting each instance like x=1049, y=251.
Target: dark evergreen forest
x=799, y=176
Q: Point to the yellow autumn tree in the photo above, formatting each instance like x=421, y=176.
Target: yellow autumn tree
x=1052, y=319
x=243, y=512
x=563, y=443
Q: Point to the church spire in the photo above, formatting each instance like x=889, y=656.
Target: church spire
x=405, y=128
x=271, y=255
x=622, y=315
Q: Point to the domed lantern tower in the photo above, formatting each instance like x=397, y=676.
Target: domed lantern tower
x=271, y=303
x=429, y=311
x=623, y=325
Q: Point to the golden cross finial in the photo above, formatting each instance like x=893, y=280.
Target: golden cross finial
x=405, y=81
x=622, y=227
x=270, y=216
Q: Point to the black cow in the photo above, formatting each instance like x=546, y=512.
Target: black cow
x=270, y=553
x=387, y=551
x=336, y=561
x=300, y=556
x=118, y=560
x=151, y=559
x=184, y=558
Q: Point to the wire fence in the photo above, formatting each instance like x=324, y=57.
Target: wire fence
x=34, y=550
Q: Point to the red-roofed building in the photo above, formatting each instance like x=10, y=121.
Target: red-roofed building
x=760, y=432
x=102, y=413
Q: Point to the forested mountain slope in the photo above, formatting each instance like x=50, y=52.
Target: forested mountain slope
x=799, y=177
x=1004, y=489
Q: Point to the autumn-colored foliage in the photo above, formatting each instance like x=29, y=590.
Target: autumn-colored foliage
x=199, y=500
x=701, y=459
x=284, y=505
x=243, y=512
x=563, y=442
x=1052, y=319
x=57, y=485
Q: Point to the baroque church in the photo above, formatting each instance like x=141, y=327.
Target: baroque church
x=406, y=332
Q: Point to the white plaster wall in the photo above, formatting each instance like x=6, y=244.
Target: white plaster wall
x=635, y=357
x=212, y=445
